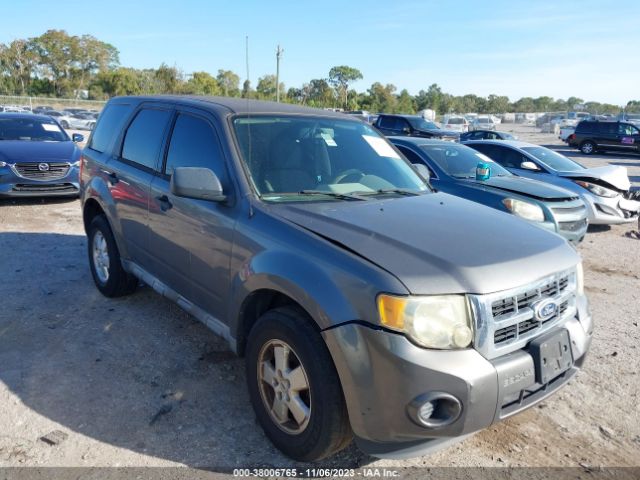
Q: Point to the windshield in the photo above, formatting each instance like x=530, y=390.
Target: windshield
x=296, y=158
x=460, y=161
x=484, y=120
x=553, y=160
x=31, y=129
x=422, y=124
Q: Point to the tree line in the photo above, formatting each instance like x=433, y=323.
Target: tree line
x=57, y=64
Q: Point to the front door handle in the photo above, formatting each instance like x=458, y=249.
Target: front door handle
x=165, y=203
x=113, y=178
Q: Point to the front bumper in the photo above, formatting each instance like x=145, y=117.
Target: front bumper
x=382, y=373
x=13, y=184
x=611, y=211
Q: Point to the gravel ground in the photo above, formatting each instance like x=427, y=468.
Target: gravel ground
x=138, y=382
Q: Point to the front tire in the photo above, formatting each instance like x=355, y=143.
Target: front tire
x=104, y=260
x=294, y=387
x=588, y=147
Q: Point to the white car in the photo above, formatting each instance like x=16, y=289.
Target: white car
x=455, y=123
x=77, y=122
x=483, y=122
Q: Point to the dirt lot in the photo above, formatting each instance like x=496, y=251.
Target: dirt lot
x=137, y=382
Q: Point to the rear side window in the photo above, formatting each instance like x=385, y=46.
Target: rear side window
x=109, y=125
x=195, y=144
x=144, y=137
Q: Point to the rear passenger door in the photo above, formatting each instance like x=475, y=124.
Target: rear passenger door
x=190, y=239
x=130, y=174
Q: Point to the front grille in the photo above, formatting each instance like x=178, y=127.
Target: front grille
x=573, y=226
x=32, y=170
x=570, y=210
x=506, y=321
x=513, y=332
x=57, y=187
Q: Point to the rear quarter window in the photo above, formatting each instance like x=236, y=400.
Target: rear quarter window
x=110, y=123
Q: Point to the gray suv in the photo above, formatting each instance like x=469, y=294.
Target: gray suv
x=367, y=304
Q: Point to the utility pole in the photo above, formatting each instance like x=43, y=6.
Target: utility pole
x=279, y=52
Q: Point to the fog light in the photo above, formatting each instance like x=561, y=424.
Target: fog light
x=434, y=409
x=425, y=411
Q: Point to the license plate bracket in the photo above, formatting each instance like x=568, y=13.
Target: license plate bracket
x=551, y=354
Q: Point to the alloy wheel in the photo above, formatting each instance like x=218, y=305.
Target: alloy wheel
x=284, y=387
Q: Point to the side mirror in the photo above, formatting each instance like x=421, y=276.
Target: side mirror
x=422, y=170
x=77, y=138
x=195, y=182
x=527, y=165
x=406, y=130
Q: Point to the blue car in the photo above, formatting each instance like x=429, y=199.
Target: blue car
x=37, y=157
x=453, y=169
x=605, y=190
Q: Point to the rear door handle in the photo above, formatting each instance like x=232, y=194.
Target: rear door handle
x=165, y=203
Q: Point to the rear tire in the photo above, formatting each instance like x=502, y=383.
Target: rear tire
x=104, y=260
x=588, y=147
x=319, y=426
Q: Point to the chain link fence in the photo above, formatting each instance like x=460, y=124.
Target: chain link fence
x=55, y=103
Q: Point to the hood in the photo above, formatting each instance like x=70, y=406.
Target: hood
x=12, y=151
x=437, y=243
x=522, y=186
x=439, y=132
x=614, y=175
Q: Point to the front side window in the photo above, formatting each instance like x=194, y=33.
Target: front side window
x=553, y=160
x=626, y=129
x=289, y=156
x=144, y=137
x=194, y=144
x=32, y=130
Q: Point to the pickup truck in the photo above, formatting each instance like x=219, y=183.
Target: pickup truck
x=367, y=305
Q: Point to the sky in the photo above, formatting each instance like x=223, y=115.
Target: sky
x=585, y=48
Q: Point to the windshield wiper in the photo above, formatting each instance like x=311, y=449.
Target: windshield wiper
x=342, y=196
x=399, y=191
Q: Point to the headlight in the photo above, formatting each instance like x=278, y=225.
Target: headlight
x=439, y=321
x=580, y=279
x=3, y=164
x=597, y=189
x=526, y=210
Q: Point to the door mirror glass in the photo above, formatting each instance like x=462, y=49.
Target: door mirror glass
x=422, y=170
x=77, y=138
x=528, y=165
x=196, y=182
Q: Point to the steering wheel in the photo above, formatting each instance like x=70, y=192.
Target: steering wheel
x=351, y=175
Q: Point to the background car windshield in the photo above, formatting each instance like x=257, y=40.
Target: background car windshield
x=422, y=124
x=288, y=154
x=31, y=130
x=553, y=160
x=461, y=162
x=455, y=121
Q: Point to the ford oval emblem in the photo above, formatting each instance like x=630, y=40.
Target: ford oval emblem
x=43, y=167
x=545, y=309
